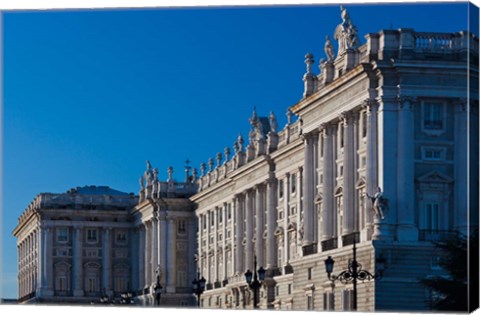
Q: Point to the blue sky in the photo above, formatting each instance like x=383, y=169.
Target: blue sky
x=90, y=95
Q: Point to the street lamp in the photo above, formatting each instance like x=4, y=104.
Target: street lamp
x=354, y=272
x=157, y=291
x=198, y=287
x=258, y=278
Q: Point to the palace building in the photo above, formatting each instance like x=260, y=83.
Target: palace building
x=375, y=158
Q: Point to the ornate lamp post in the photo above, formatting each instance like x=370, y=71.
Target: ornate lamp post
x=198, y=287
x=157, y=290
x=354, y=272
x=255, y=285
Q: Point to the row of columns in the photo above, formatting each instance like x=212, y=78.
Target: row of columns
x=326, y=138
x=157, y=241
x=247, y=227
x=27, y=257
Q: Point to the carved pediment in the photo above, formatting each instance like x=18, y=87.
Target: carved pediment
x=292, y=226
x=278, y=231
x=318, y=198
x=361, y=182
x=434, y=177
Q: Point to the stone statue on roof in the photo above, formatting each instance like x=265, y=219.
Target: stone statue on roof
x=346, y=33
x=273, y=122
x=329, y=49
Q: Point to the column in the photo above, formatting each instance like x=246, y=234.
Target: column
x=48, y=260
x=372, y=163
x=141, y=256
x=461, y=169
x=148, y=253
x=154, y=249
x=208, y=276
x=249, y=230
x=40, y=254
x=271, y=224
x=348, y=174
x=215, y=244
x=387, y=163
x=77, y=262
x=406, y=231
x=224, y=240
x=134, y=250
x=238, y=235
x=163, y=239
x=308, y=189
x=172, y=256
x=107, y=262
x=328, y=183
x=286, y=206
x=260, y=225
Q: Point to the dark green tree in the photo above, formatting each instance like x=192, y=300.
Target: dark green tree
x=459, y=290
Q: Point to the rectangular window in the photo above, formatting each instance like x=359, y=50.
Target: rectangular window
x=280, y=189
x=121, y=237
x=220, y=215
x=364, y=124
x=347, y=300
x=61, y=284
x=309, y=273
x=435, y=263
x=433, y=116
x=92, y=235
x=294, y=183
x=309, y=302
x=182, y=280
x=433, y=153
x=328, y=301
x=432, y=216
x=229, y=211
x=91, y=284
x=62, y=234
x=289, y=289
x=181, y=226
x=120, y=284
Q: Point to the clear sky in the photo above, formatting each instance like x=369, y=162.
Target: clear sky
x=90, y=95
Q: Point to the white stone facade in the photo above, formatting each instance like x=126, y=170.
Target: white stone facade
x=381, y=149
x=390, y=114
x=75, y=247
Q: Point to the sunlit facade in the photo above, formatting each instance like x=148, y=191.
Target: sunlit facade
x=377, y=152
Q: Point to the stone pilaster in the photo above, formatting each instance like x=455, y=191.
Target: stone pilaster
x=107, y=260
x=172, y=255
x=461, y=181
x=77, y=262
x=348, y=174
x=328, y=183
x=406, y=230
x=141, y=257
x=155, y=241
x=249, y=230
x=372, y=164
x=387, y=163
x=259, y=224
x=239, y=234
x=308, y=189
x=162, y=248
x=271, y=186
